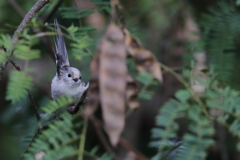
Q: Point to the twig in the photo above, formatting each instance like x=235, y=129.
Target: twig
x=122, y=142
x=98, y=127
x=33, y=11
x=196, y=98
x=125, y=145
x=17, y=7
x=42, y=128
x=29, y=95
x=74, y=109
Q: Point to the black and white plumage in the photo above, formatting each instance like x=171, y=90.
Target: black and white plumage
x=60, y=52
x=68, y=80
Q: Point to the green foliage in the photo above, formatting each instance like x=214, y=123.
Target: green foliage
x=172, y=110
x=102, y=5
x=59, y=135
x=5, y=41
x=148, y=82
x=199, y=139
x=195, y=142
x=3, y=56
x=74, y=13
x=52, y=106
x=81, y=42
x=220, y=30
x=18, y=85
x=23, y=49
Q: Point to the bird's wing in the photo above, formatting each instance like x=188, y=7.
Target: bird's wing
x=60, y=52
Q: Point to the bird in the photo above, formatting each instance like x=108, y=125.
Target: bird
x=68, y=80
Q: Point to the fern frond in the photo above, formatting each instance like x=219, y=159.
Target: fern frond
x=52, y=106
x=6, y=41
x=18, y=85
x=25, y=52
x=3, y=56
x=195, y=144
x=55, y=142
x=220, y=31
x=171, y=110
x=73, y=13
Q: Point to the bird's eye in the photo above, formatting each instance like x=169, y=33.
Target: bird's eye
x=80, y=77
x=69, y=75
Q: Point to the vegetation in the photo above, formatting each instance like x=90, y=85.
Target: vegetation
x=193, y=81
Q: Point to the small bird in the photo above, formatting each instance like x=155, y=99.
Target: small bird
x=68, y=80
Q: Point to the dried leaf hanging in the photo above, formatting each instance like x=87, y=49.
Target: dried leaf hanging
x=93, y=91
x=131, y=93
x=144, y=59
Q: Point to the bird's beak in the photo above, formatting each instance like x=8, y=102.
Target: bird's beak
x=75, y=79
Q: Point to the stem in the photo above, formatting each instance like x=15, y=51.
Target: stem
x=30, y=97
x=82, y=140
x=33, y=11
x=196, y=98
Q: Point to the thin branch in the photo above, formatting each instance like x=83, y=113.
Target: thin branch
x=29, y=95
x=125, y=145
x=17, y=8
x=33, y=11
x=98, y=128
x=122, y=142
x=195, y=97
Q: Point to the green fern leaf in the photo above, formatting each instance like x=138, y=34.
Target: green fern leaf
x=18, y=85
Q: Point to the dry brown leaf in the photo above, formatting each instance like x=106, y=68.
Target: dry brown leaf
x=93, y=90
x=144, y=59
x=112, y=80
x=131, y=93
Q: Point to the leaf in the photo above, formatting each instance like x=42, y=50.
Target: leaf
x=18, y=85
x=132, y=93
x=112, y=80
x=70, y=12
x=145, y=78
x=6, y=42
x=183, y=95
x=106, y=8
x=3, y=56
x=144, y=59
x=53, y=106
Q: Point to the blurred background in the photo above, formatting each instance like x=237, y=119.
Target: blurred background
x=162, y=26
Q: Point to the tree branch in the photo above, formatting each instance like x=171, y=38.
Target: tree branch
x=98, y=127
x=122, y=142
x=33, y=11
x=125, y=145
x=29, y=95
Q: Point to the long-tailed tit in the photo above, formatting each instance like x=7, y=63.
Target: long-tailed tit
x=68, y=80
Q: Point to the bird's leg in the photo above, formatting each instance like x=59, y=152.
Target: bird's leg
x=75, y=108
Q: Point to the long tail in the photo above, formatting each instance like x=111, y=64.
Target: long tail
x=60, y=52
